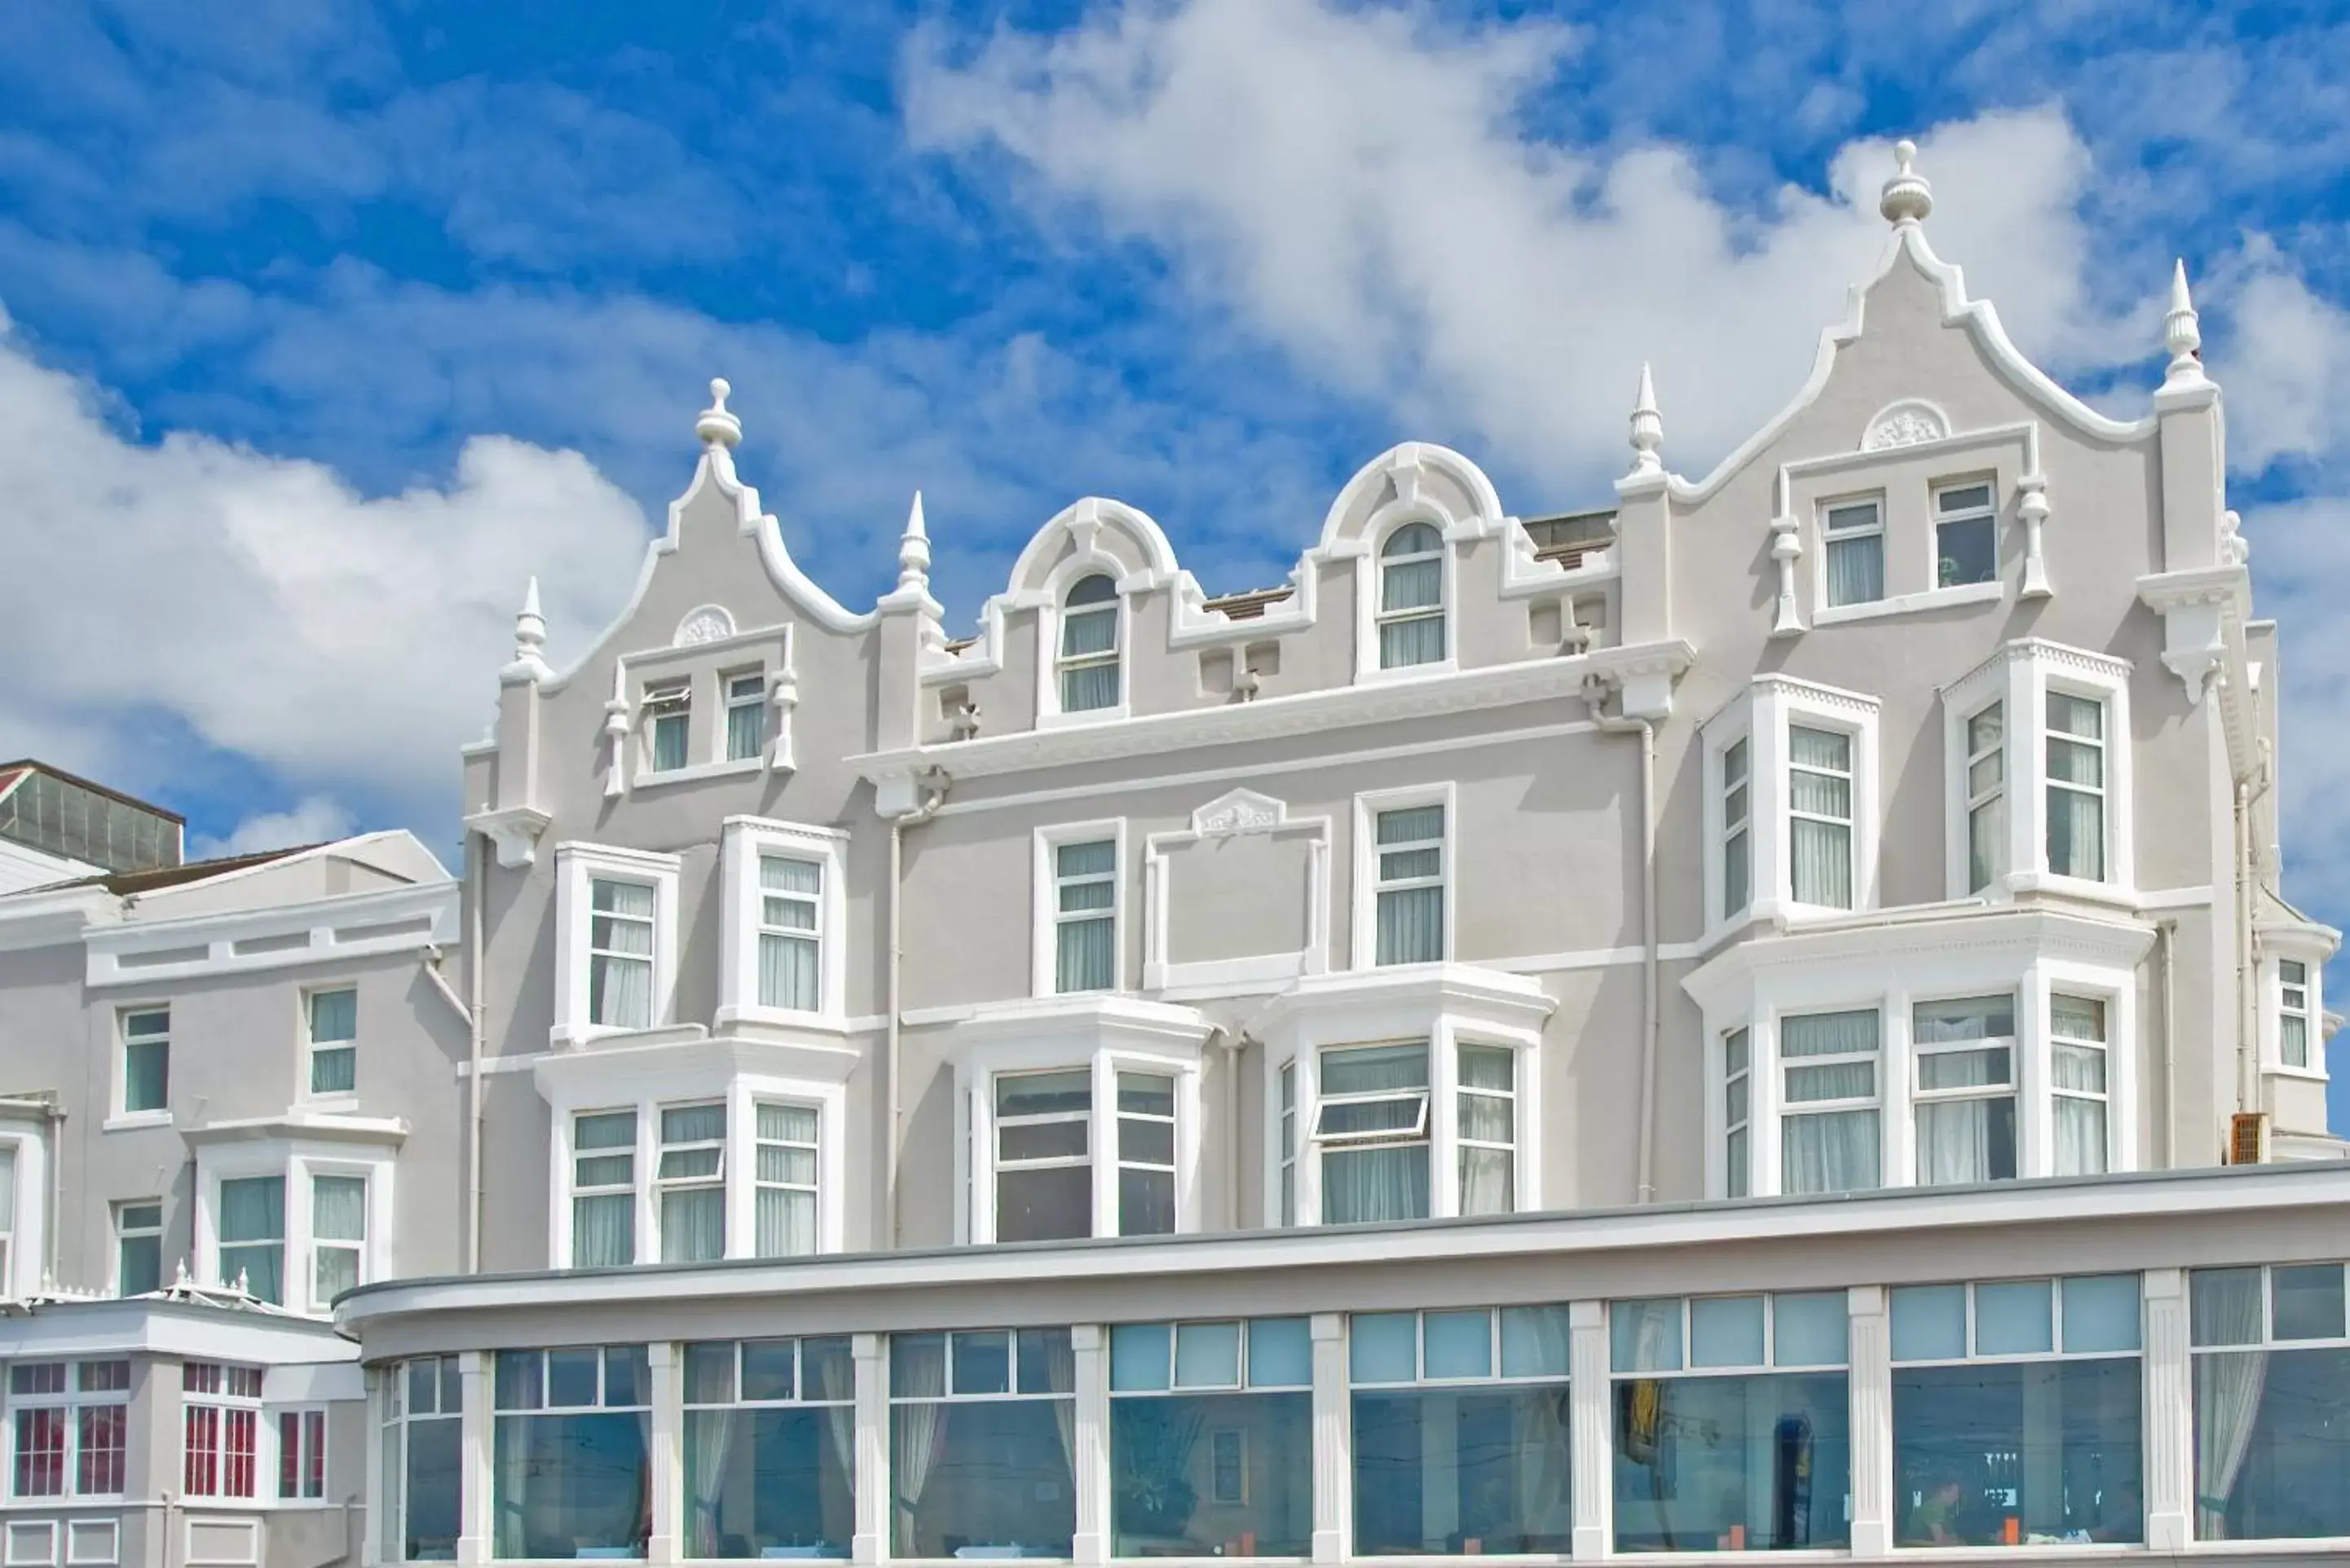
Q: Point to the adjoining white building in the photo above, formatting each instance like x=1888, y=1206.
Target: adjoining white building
x=228, y=1093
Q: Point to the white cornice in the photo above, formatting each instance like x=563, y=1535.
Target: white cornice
x=1080, y=1024
x=143, y=1323
x=300, y=1126
x=1403, y=1000
x=687, y=1062
x=1301, y=713
x=330, y=930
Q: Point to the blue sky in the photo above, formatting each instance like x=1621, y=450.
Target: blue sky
x=331, y=323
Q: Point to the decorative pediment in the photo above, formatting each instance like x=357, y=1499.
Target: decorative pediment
x=1240, y=810
x=711, y=623
x=1905, y=423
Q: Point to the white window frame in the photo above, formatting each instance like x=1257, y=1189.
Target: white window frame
x=1735, y=836
x=1095, y=1033
x=576, y=866
x=1111, y=608
x=1383, y=525
x=122, y=1232
x=1876, y=1103
x=1439, y=612
x=743, y=841
x=1449, y=1007
x=24, y=1226
x=739, y=689
x=1365, y=933
x=1826, y=508
x=811, y=1073
x=1936, y=518
x=1734, y=1182
x=707, y=659
x=1051, y=598
x=312, y=1047
x=1045, y=915
x=2012, y=1090
x=305, y=1416
x=662, y=699
x=1976, y=797
x=663, y=1183
x=1762, y=716
x=153, y=1116
x=297, y=1161
x=2104, y=1099
x=2019, y=676
x=2310, y=947
x=265, y=1480
x=72, y=1399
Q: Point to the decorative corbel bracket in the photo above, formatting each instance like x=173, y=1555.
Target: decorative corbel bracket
x=2196, y=608
x=1786, y=549
x=514, y=830
x=2034, y=509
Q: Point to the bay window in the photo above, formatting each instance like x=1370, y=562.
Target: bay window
x=1791, y=804
x=570, y=1439
x=1411, y=614
x=2017, y=1412
x=1043, y=1156
x=423, y=1471
x=1829, y=1136
x=692, y=1181
x=2271, y=1381
x=70, y=1426
x=1732, y=1422
x=219, y=1428
x=1460, y=1431
x=770, y=1448
x=1965, y=1075
x=615, y=958
x=1212, y=1438
x=1371, y=1127
x=2293, y=1013
x=983, y=1437
x=2056, y=803
x=2078, y=1058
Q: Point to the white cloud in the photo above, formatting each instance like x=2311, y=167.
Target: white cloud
x=1355, y=184
x=314, y=819
x=280, y=615
x=2284, y=366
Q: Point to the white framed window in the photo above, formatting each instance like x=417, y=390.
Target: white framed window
x=1287, y=1212
x=2293, y=1013
x=422, y=1483
x=1408, y=904
x=690, y=1178
x=1410, y=617
x=68, y=1427
x=616, y=952
x=331, y=1021
x=338, y=1229
x=2054, y=808
x=603, y=1189
x=2078, y=1082
x=747, y=714
x=251, y=1226
x=7, y=1216
x=146, y=1034
x=302, y=1456
x=1044, y=1187
x=138, y=1247
x=1371, y=1132
x=667, y=715
x=2075, y=773
x=1087, y=663
x=1737, y=847
x=1820, y=816
x=1853, y=562
x=1830, y=1137
x=1966, y=535
x=784, y=1211
x=220, y=1429
x=785, y=953
x=1079, y=903
x=1986, y=792
x=1488, y=1121
x=1963, y=1066
x=1737, y=1111
x=1146, y=1153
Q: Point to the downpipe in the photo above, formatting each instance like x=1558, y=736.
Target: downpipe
x=933, y=786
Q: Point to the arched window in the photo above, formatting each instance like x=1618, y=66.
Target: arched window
x=1089, y=645
x=1411, y=598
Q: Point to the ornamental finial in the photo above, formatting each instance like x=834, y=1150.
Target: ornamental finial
x=2182, y=332
x=914, y=549
x=718, y=426
x=530, y=627
x=1647, y=428
x=1906, y=198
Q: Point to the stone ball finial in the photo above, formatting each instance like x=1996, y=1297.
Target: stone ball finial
x=718, y=426
x=1906, y=198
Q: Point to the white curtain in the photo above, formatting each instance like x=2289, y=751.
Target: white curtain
x=1083, y=959
x=1061, y=1373
x=1819, y=785
x=746, y=730
x=1418, y=641
x=917, y=1371
x=787, y=963
x=835, y=1380
x=708, y=1454
x=1089, y=687
x=1855, y=570
x=1487, y=1174
x=1835, y=1151
x=252, y=1212
x=2077, y=833
x=604, y=1230
x=693, y=1225
x=1411, y=925
x=2227, y=1389
x=1955, y=1139
x=1375, y=1184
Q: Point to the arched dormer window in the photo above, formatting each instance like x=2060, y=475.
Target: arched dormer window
x=1411, y=598
x=1088, y=661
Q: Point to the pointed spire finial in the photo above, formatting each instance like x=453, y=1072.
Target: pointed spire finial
x=718, y=426
x=1906, y=198
x=2182, y=332
x=530, y=627
x=914, y=549
x=1647, y=427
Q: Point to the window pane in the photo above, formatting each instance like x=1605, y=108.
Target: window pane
x=1054, y=1204
x=1855, y=570
x=1831, y=1152
x=2225, y=1306
x=1208, y=1355
x=572, y=1377
x=1965, y=1018
x=431, y=1491
x=2013, y=1319
x=1930, y=1322
x=1369, y=1184
x=1966, y=1140
x=1383, y=1347
x=992, y=1477
x=2270, y=1458
x=1210, y=1475
x=1726, y=1330
x=2307, y=1302
x=1138, y=1356
x=1146, y=1202
x=1280, y=1353
x=1369, y=1069
x=1827, y=1033
x=1988, y=1454
x=1810, y=1329
x=1534, y=1342
x=710, y=1373
x=2101, y=1312
x=571, y=1485
x=1460, y=1472
x=1404, y=643
x=769, y=1483
x=982, y=1362
x=1045, y=1361
x=1748, y=1463
x=1646, y=1335
x=1457, y=1345
x=1043, y=1093
x=339, y=1208
x=334, y=1016
x=1966, y=552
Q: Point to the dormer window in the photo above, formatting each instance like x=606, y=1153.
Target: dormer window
x=1856, y=553
x=746, y=716
x=1411, y=598
x=1088, y=661
x=1966, y=536
x=669, y=715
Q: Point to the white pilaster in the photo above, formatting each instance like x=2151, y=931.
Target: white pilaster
x=1089, y=1348
x=662, y=1461
x=1870, y=1346
x=2170, y=1413
x=1333, y=1464
x=871, y=1542
x=473, y=1459
x=380, y=1389
x=1590, y=1437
